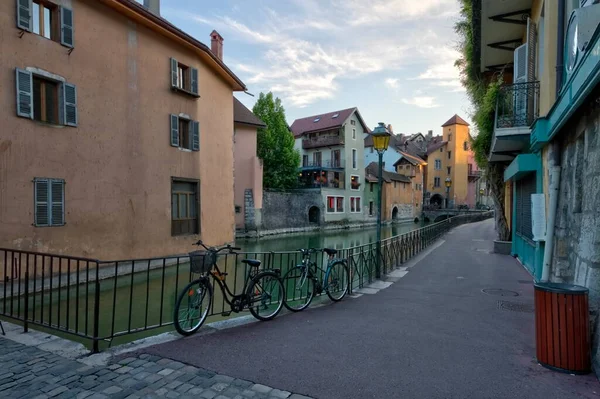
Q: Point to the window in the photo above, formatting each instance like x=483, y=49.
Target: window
x=466, y=146
x=371, y=187
x=470, y=167
x=449, y=169
x=238, y=209
x=46, y=19
x=371, y=206
x=438, y=164
x=185, y=133
x=355, y=205
x=354, y=160
x=184, y=207
x=449, y=154
x=442, y=149
x=317, y=158
x=353, y=122
x=49, y=202
x=318, y=118
x=184, y=78
x=335, y=116
x=449, y=136
x=45, y=100
x=436, y=182
x=336, y=159
x=353, y=134
x=335, y=204
x=304, y=160
x=355, y=182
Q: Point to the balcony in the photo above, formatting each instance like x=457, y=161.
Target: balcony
x=326, y=164
x=517, y=107
x=321, y=179
x=322, y=141
x=474, y=174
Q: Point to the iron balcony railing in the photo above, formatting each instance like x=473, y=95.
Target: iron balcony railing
x=517, y=105
x=326, y=164
x=322, y=141
x=110, y=302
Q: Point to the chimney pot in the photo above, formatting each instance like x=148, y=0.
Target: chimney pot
x=216, y=44
x=153, y=6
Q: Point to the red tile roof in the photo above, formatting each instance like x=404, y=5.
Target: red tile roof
x=325, y=122
x=455, y=120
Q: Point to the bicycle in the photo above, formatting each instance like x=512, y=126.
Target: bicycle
x=263, y=291
x=302, y=283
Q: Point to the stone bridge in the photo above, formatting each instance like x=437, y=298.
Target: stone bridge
x=441, y=214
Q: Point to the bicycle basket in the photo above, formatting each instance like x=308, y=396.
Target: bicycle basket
x=202, y=261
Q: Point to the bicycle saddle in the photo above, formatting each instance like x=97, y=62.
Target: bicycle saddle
x=330, y=251
x=252, y=262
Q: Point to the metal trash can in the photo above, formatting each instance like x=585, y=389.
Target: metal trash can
x=562, y=327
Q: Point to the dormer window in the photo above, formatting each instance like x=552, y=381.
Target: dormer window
x=335, y=116
x=318, y=118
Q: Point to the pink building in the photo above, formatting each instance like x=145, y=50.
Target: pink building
x=474, y=177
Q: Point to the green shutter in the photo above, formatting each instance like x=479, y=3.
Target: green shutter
x=24, y=93
x=194, y=80
x=174, y=67
x=24, y=19
x=174, y=130
x=66, y=27
x=195, y=136
x=41, y=199
x=57, y=197
x=69, y=104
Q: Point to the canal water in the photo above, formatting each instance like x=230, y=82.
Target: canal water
x=148, y=298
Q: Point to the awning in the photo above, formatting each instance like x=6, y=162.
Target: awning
x=522, y=165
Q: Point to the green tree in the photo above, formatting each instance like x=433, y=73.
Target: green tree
x=483, y=95
x=276, y=144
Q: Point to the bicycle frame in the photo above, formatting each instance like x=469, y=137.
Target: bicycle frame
x=308, y=264
x=227, y=294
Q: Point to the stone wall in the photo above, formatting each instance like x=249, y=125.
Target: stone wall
x=576, y=257
x=290, y=209
x=405, y=212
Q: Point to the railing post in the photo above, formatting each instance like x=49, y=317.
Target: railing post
x=26, y=316
x=95, y=348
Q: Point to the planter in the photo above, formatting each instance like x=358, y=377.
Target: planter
x=502, y=247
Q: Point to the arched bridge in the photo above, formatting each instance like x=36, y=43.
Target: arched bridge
x=441, y=214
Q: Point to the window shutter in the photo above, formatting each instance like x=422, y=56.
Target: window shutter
x=174, y=130
x=66, y=27
x=24, y=20
x=194, y=80
x=195, y=136
x=57, y=196
x=520, y=64
x=41, y=198
x=174, y=73
x=531, y=49
x=70, y=104
x=24, y=93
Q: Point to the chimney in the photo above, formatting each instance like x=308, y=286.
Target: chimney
x=153, y=6
x=216, y=44
x=389, y=128
x=429, y=134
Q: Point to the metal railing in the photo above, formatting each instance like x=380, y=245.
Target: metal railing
x=517, y=105
x=328, y=163
x=322, y=141
x=100, y=301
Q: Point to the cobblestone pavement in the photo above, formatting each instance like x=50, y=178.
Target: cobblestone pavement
x=29, y=372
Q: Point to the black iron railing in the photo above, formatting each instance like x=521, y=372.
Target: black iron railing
x=517, y=105
x=100, y=301
x=328, y=163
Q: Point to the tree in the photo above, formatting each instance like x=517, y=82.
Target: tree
x=276, y=144
x=483, y=95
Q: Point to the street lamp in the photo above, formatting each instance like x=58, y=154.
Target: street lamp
x=448, y=185
x=381, y=140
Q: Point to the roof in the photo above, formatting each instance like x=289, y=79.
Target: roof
x=134, y=10
x=413, y=159
x=396, y=140
x=241, y=114
x=435, y=146
x=369, y=178
x=388, y=177
x=324, y=122
x=455, y=120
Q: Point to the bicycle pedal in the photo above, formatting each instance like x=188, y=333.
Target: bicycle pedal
x=225, y=314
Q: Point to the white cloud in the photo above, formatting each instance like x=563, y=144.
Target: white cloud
x=392, y=83
x=421, y=102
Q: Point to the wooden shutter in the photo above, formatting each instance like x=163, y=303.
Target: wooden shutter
x=24, y=93
x=194, y=80
x=174, y=130
x=520, y=64
x=195, y=135
x=24, y=20
x=174, y=73
x=57, y=197
x=531, y=49
x=66, y=27
x=41, y=199
x=69, y=101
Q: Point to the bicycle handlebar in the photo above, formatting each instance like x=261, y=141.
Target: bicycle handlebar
x=212, y=249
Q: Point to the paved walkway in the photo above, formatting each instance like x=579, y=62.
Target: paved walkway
x=433, y=333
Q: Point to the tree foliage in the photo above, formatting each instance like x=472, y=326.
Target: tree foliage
x=276, y=144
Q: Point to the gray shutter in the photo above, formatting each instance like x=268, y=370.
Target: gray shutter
x=195, y=136
x=24, y=93
x=57, y=197
x=174, y=66
x=66, y=27
x=174, y=130
x=24, y=20
x=41, y=199
x=70, y=104
x=194, y=80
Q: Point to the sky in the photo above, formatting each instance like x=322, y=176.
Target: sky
x=393, y=59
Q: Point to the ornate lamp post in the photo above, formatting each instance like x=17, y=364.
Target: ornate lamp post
x=448, y=185
x=381, y=140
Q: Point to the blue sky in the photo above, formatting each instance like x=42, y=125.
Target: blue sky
x=393, y=59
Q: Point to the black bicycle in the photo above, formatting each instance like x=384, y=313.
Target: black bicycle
x=263, y=291
x=302, y=283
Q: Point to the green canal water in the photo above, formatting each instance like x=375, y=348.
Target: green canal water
x=148, y=298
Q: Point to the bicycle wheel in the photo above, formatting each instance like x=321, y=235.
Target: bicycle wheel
x=337, y=282
x=265, y=295
x=192, y=306
x=299, y=289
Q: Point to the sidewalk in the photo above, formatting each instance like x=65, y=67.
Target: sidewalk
x=433, y=333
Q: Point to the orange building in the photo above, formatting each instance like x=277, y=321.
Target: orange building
x=397, y=195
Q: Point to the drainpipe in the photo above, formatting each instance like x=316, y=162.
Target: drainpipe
x=554, y=187
x=560, y=45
